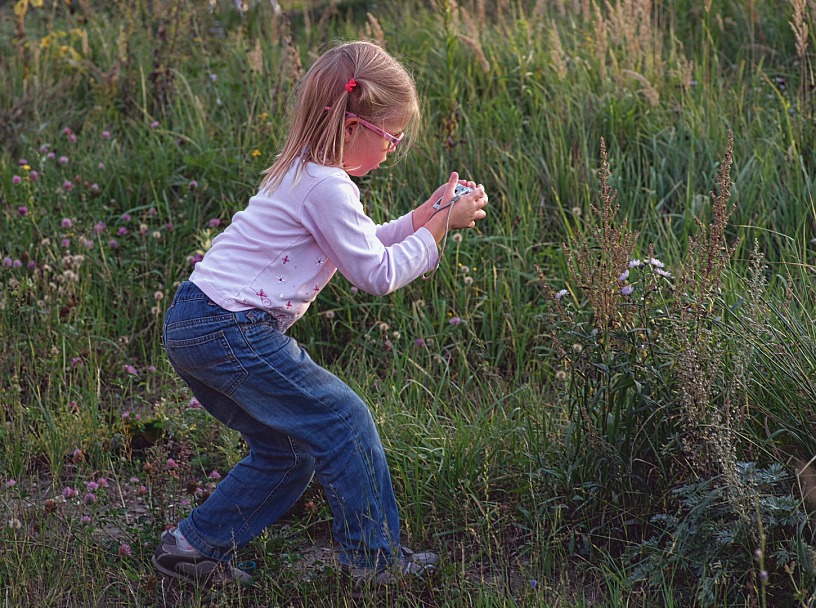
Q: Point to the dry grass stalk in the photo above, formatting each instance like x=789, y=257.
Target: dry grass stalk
x=586, y=10
x=800, y=28
x=558, y=58
x=255, y=58
x=325, y=19
x=648, y=91
x=374, y=30
x=683, y=69
x=601, y=42
x=474, y=46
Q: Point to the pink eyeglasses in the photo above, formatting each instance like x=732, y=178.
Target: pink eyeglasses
x=392, y=140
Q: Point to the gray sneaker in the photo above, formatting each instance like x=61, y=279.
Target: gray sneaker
x=192, y=567
x=376, y=581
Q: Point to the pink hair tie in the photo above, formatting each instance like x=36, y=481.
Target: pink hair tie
x=350, y=85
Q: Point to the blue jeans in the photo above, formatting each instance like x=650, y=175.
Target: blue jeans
x=298, y=419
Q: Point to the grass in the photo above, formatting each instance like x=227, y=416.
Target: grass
x=658, y=458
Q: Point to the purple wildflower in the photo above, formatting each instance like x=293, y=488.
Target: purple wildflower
x=66, y=243
x=121, y=231
x=113, y=244
x=125, y=550
x=455, y=321
x=16, y=179
x=561, y=294
x=215, y=222
x=627, y=290
x=34, y=175
x=100, y=227
x=22, y=210
x=17, y=264
x=67, y=222
x=67, y=185
x=69, y=492
x=105, y=134
x=63, y=160
x=130, y=369
x=125, y=217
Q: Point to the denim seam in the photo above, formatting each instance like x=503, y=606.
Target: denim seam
x=346, y=423
x=210, y=320
x=241, y=372
x=254, y=515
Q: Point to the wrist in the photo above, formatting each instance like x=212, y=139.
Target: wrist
x=421, y=215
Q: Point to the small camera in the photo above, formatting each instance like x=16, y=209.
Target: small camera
x=458, y=192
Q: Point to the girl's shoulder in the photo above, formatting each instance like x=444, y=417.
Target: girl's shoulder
x=315, y=177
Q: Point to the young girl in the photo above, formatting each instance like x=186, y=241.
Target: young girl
x=225, y=331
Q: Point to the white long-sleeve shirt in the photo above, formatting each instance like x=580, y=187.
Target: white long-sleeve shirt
x=285, y=246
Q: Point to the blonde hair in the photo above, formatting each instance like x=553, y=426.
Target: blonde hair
x=384, y=93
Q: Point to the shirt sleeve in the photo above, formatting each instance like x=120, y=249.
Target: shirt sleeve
x=396, y=230
x=333, y=214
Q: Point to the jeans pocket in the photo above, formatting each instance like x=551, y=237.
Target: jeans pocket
x=209, y=359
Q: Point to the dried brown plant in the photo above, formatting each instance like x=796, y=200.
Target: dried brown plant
x=601, y=41
x=709, y=254
x=597, y=261
x=476, y=47
x=558, y=58
x=647, y=90
x=374, y=30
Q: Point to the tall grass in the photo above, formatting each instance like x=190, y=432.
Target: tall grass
x=647, y=448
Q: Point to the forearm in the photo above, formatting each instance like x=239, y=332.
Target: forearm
x=421, y=215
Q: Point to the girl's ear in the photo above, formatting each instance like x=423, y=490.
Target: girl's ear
x=349, y=128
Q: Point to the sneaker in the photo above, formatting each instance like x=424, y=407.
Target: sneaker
x=376, y=581
x=190, y=566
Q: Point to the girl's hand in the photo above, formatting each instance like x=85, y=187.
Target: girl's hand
x=469, y=209
x=463, y=214
x=425, y=211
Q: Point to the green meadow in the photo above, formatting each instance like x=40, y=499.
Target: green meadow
x=605, y=396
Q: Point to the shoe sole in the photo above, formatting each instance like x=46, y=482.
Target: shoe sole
x=178, y=576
